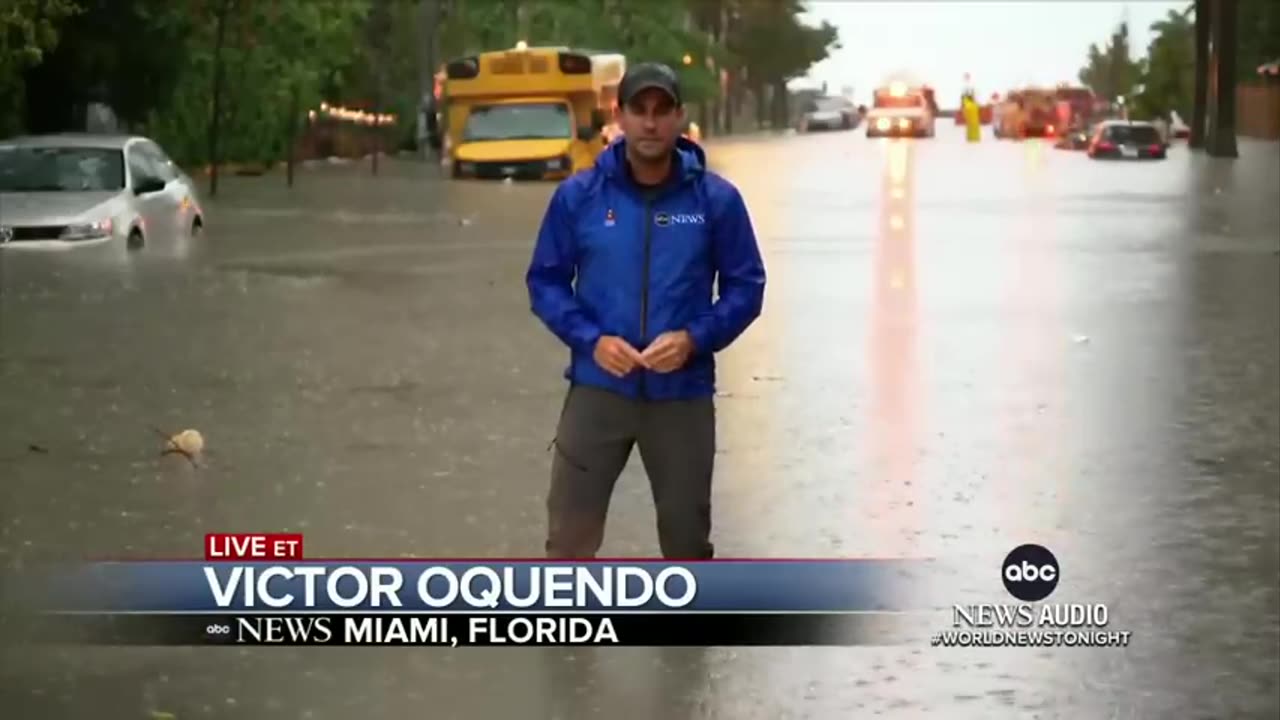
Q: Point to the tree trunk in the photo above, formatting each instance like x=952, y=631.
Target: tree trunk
x=729, y=103
x=221, y=35
x=429, y=20
x=762, y=108
x=293, y=134
x=780, y=105
x=1199, y=114
x=1222, y=137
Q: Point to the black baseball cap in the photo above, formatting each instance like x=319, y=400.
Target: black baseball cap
x=646, y=75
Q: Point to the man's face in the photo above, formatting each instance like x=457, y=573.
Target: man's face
x=651, y=123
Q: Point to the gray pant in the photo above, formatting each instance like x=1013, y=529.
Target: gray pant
x=597, y=429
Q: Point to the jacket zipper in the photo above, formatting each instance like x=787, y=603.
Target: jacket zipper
x=644, y=288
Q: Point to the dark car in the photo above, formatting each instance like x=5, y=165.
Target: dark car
x=1076, y=138
x=1116, y=139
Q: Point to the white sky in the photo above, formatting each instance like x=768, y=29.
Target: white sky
x=1002, y=44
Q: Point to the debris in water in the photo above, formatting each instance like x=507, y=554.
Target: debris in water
x=188, y=443
x=1080, y=339
x=38, y=449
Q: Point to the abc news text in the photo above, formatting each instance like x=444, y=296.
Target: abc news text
x=447, y=630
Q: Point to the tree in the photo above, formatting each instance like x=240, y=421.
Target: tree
x=277, y=57
x=1257, y=36
x=1111, y=72
x=775, y=47
x=91, y=64
x=1169, y=77
x=28, y=31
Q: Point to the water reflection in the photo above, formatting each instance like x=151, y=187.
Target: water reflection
x=1029, y=377
x=894, y=372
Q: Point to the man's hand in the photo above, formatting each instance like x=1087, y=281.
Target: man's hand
x=616, y=355
x=668, y=352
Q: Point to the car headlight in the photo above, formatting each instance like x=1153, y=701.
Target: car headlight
x=560, y=163
x=904, y=123
x=88, y=231
x=466, y=167
x=883, y=124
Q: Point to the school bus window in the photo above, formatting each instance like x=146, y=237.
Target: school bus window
x=463, y=69
x=518, y=121
x=574, y=64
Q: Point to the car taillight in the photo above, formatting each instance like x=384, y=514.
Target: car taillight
x=1155, y=148
x=1106, y=146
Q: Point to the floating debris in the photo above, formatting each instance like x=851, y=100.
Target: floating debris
x=188, y=443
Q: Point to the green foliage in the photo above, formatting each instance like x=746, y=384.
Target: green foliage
x=1257, y=35
x=774, y=46
x=153, y=61
x=28, y=31
x=1168, y=83
x=272, y=50
x=1111, y=71
x=1166, y=76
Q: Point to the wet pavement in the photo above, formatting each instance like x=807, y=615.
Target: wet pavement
x=964, y=348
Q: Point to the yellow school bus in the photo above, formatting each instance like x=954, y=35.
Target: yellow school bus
x=529, y=112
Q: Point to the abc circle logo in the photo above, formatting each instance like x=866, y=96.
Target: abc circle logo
x=1030, y=572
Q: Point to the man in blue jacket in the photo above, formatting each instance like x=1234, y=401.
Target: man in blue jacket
x=623, y=273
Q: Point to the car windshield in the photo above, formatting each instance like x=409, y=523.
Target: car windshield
x=910, y=100
x=1137, y=134
x=827, y=105
x=60, y=169
x=525, y=121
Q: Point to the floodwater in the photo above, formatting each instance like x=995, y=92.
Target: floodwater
x=964, y=348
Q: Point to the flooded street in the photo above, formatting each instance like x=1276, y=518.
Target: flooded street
x=964, y=348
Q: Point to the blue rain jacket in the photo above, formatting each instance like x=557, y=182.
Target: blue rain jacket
x=609, y=261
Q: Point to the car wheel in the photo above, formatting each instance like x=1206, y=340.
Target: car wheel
x=136, y=240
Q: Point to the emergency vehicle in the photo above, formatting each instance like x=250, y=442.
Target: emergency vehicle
x=902, y=110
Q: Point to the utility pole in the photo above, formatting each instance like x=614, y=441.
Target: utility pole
x=1199, y=114
x=1222, y=137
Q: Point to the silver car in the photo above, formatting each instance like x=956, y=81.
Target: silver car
x=77, y=190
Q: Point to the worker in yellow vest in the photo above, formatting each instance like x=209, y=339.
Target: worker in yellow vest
x=972, y=118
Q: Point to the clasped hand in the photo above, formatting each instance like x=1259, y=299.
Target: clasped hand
x=669, y=351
